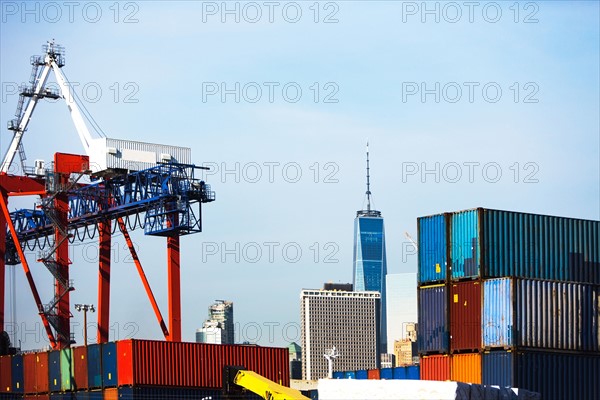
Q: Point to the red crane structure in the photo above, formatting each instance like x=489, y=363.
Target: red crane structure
x=152, y=185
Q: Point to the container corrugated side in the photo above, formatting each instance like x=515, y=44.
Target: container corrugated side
x=406, y=372
x=80, y=368
x=66, y=370
x=146, y=392
x=137, y=156
x=109, y=364
x=435, y=368
x=526, y=313
x=433, y=251
x=18, y=374
x=5, y=374
x=540, y=246
x=497, y=368
x=157, y=363
x=465, y=316
x=433, y=319
x=54, y=370
x=464, y=244
x=94, y=365
x=466, y=368
x=555, y=375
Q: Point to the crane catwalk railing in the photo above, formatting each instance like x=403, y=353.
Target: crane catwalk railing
x=165, y=193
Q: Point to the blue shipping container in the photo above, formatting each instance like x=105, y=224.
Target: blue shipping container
x=541, y=314
x=349, y=375
x=386, y=373
x=338, y=375
x=464, y=244
x=17, y=374
x=109, y=364
x=361, y=374
x=92, y=395
x=432, y=239
x=61, y=396
x=539, y=246
x=433, y=334
x=556, y=376
x=54, y=370
x=94, y=366
x=399, y=373
x=412, y=372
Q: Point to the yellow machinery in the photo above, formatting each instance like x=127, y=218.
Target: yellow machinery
x=236, y=379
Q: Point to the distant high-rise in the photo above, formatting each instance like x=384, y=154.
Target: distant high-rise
x=348, y=321
x=370, y=266
x=218, y=328
x=401, y=306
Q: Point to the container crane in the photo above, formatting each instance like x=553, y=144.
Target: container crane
x=136, y=178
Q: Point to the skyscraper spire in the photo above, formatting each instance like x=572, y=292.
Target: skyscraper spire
x=368, y=181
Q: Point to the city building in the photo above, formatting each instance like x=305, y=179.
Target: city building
x=401, y=307
x=295, y=360
x=370, y=266
x=388, y=360
x=218, y=328
x=405, y=351
x=346, y=320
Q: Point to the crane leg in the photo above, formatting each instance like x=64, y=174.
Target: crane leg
x=104, y=229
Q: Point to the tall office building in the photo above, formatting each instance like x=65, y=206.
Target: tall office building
x=401, y=306
x=370, y=266
x=348, y=321
x=218, y=328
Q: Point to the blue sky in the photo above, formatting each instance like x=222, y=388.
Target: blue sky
x=148, y=71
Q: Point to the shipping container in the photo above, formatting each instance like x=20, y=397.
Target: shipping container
x=362, y=374
x=466, y=367
x=435, y=368
x=29, y=376
x=432, y=248
x=539, y=246
x=109, y=364
x=372, y=374
x=465, y=316
x=11, y=396
x=36, y=373
x=386, y=373
x=61, y=396
x=349, y=375
x=159, y=363
x=338, y=375
x=541, y=314
x=80, y=368
x=412, y=372
x=91, y=395
x=145, y=393
x=5, y=374
x=94, y=365
x=18, y=375
x=54, y=370
x=111, y=394
x=66, y=369
x=433, y=319
x=399, y=373
x=555, y=375
x=464, y=245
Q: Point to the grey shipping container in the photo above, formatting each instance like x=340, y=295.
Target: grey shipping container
x=556, y=376
x=527, y=313
x=433, y=334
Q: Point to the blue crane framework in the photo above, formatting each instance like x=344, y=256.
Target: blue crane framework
x=165, y=200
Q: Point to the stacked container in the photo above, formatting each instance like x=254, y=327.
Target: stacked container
x=510, y=299
x=136, y=369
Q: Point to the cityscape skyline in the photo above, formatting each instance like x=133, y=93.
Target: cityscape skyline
x=287, y=174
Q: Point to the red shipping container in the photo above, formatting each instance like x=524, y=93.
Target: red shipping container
x=373, y=374
x=29, y=381
x=465, y=316
x=435, y=368
x=111, y=394
x=5, y=374
x=158, y=363
x=80, y=368
x=35, y=371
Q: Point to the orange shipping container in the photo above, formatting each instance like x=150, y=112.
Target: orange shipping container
x=373, y=374
x=466, y=368
x=159, y=363
x=435, y=368
x=5, y=374
x=111, y=394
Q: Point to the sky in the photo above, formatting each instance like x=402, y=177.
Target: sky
x=485, y=104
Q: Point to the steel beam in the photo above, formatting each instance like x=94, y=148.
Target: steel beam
x=104, y=230
x=2, y=261
x=174, y=282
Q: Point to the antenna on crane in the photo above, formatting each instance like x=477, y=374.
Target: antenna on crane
x=331, y=355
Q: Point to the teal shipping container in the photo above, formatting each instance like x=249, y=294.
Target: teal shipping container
x=433, y=247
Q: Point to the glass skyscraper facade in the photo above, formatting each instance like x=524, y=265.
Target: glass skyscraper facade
x=370, y=265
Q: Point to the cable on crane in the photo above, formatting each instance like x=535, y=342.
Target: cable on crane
x=86, y=113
